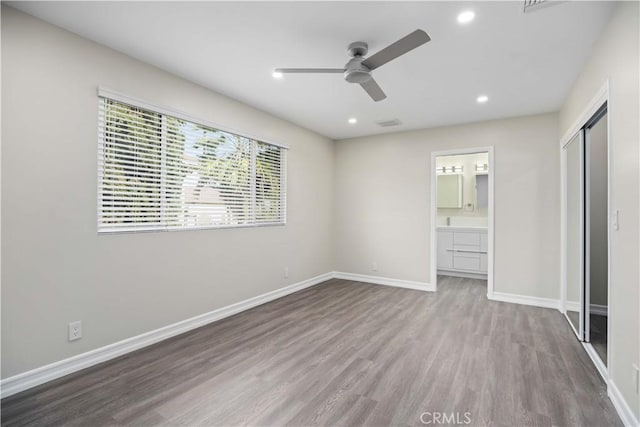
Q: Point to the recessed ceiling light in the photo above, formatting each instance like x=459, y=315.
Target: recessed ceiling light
x=466, y=16
x=482, y=99
x=353, y=120
x=277, y=75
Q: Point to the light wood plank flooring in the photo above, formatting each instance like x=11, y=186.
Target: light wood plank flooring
x=343, y=353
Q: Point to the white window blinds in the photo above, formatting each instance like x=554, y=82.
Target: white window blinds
x=160, y=172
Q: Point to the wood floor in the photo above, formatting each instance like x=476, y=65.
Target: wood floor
x=343, y=353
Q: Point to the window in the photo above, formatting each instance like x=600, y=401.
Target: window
x=157, y=171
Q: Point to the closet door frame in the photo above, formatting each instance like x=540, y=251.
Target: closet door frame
x=600, y=98
x=597, y=116
x=580, y=135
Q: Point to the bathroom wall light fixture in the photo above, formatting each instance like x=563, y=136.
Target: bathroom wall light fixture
x=449, y=169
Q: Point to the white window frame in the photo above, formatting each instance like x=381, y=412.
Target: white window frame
x=164, y=111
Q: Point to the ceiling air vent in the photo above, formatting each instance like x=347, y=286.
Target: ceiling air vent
x=532, y=5
x=388, y=123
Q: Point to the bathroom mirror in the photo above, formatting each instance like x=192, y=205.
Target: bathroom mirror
x=450, y=191
x=574, y=273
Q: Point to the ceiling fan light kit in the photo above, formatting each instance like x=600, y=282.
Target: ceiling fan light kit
x=355, y=72
x=358, y=69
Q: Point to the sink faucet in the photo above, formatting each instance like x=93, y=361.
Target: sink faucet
x=448, y=220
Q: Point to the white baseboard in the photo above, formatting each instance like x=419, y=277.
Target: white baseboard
x=35, y=377
x=572, y=305
x=619, y=403
x=623, y=409
x=595, y=358
x=526, y=300
x=29, y=379
x=600, y=310
x=41, y=375
x=626, y=415
x=451, y=273
x=377, y=280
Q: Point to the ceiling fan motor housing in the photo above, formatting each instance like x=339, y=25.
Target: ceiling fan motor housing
x=356, y=49
x=355, y=72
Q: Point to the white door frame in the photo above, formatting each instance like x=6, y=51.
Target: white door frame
x=579, y=331
x=434, y=212
x=601, y=96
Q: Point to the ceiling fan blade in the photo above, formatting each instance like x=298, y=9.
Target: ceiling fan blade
x=308, y=70
x=374, y=91
x=394, y=50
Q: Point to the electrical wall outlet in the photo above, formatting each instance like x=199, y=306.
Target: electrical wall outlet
x=286, y=272
x=75, y=330
x=374, y=266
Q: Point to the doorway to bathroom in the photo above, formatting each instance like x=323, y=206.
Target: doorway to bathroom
x=462, y=221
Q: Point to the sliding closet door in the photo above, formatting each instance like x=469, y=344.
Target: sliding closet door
x=597, y=233
x=574, y=232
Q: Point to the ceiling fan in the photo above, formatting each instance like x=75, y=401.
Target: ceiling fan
x=358, y=69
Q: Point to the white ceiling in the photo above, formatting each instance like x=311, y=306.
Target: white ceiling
x=525, y=63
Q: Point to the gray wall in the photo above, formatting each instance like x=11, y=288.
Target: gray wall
x=365, y=200
x=616, y=57
x=57, y=269
x=383, y=205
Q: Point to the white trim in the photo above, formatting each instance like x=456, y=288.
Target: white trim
x=575, y=331
x=572, y=306
x=563, y=227
x=35, y=377
x=563, y=303
x=452, y=273
x=617, y=399
x=583, y=236
x=525, y=300
x=595, y=358
x=161, y=225
x=598, y=309
x=490, y=219
x=609, y=232
x=594, y=308
x=610, y=341
x=43, y=374
x=112, y=231
x=136, y=102
x=433, y=176
x=386, y=281
x=29, y=379
x=601, y=96
x=621, y=405
x=586, y=227
x=623, y=409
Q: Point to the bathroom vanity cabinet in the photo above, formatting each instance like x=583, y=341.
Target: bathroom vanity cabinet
x=462, y=251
